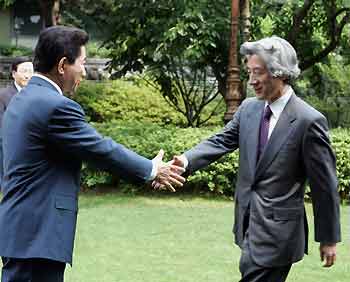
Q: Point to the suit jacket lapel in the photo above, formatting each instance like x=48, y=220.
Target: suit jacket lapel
x=252, y=138
x=278, y=137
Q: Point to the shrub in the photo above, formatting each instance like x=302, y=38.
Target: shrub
x=335, y=109
x=13, y=51
x=147, y=139
x=219, y=177
x=96, y=50
x=341, y=146
x=133, y=100
x=123, y=100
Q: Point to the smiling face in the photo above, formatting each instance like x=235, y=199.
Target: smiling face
x=23, y=73
x=74, y=73
x=265, y=86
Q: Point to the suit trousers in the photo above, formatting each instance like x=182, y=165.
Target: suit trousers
x=252, y=272
x=32, y=270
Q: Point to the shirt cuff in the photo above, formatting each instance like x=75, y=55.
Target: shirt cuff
x=153, y=172
x=154, y=168
x=185, y=162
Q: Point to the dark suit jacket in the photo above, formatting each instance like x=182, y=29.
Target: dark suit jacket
x=45, y=140
x=5, y=98
x=273, y=188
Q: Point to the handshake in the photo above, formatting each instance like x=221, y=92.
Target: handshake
x=168, y=174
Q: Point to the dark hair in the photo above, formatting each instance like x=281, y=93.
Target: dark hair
x=55, y=43
x=19, y=60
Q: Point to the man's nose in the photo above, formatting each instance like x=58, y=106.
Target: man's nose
x=252, y=80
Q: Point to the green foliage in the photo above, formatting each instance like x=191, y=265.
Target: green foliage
x=13, y=51
x=147, y=139
x=151, y=33
x=219, y=177
x=131, y=100
x=125, y=100
x=341, y=146
x=92, y=177
x=168, y=37
x=326, y=86
x=181, y=48
x=95, y=50
x=6, y=3
x=315, y=28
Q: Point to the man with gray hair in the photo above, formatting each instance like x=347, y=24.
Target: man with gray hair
x=283, y=143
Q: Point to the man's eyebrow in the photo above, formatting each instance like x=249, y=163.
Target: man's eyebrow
x=255, y=68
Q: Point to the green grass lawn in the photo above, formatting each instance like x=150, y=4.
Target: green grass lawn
x=174, y=239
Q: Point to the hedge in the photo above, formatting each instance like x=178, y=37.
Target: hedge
x=13, y=51
x=132, y=99
x=125, y=100
x=341, y=145
x=219, y=177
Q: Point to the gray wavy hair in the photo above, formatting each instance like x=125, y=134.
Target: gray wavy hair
x=278, y=54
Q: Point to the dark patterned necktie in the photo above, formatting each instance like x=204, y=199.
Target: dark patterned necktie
x=264, y=130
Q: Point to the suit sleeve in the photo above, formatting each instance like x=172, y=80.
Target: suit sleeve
x=2, y=111
x=320, y=164
x=2, y=108
x=69, y=131
x=216, y=146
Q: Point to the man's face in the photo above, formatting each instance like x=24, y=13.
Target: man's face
x=74, y=73
x=23, y=74
x=265, y=86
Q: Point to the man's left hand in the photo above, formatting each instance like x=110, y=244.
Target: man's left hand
x=168, y=174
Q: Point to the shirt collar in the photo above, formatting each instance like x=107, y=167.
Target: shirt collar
x=49, y=81
x=19, y=88
x=278, y=106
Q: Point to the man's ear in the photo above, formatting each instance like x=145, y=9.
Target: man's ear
x=61, y=65
x=13, y=74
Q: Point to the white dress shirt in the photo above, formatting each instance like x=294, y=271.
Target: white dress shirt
x=277, y=107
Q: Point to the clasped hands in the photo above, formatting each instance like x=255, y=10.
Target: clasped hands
x=168, y=174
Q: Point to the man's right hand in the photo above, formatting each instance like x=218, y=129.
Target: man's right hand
x=179, y=160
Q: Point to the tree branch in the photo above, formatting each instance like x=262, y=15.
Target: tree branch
x=340, y=11
x=199, y=123
x=298, y=17
x=334, y=41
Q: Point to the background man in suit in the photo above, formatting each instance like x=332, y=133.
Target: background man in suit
x=282, y=142
x=22, y=71
x=46, y=138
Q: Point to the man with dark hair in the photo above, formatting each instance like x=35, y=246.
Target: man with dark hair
x=46, y=138
x=22, y=71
